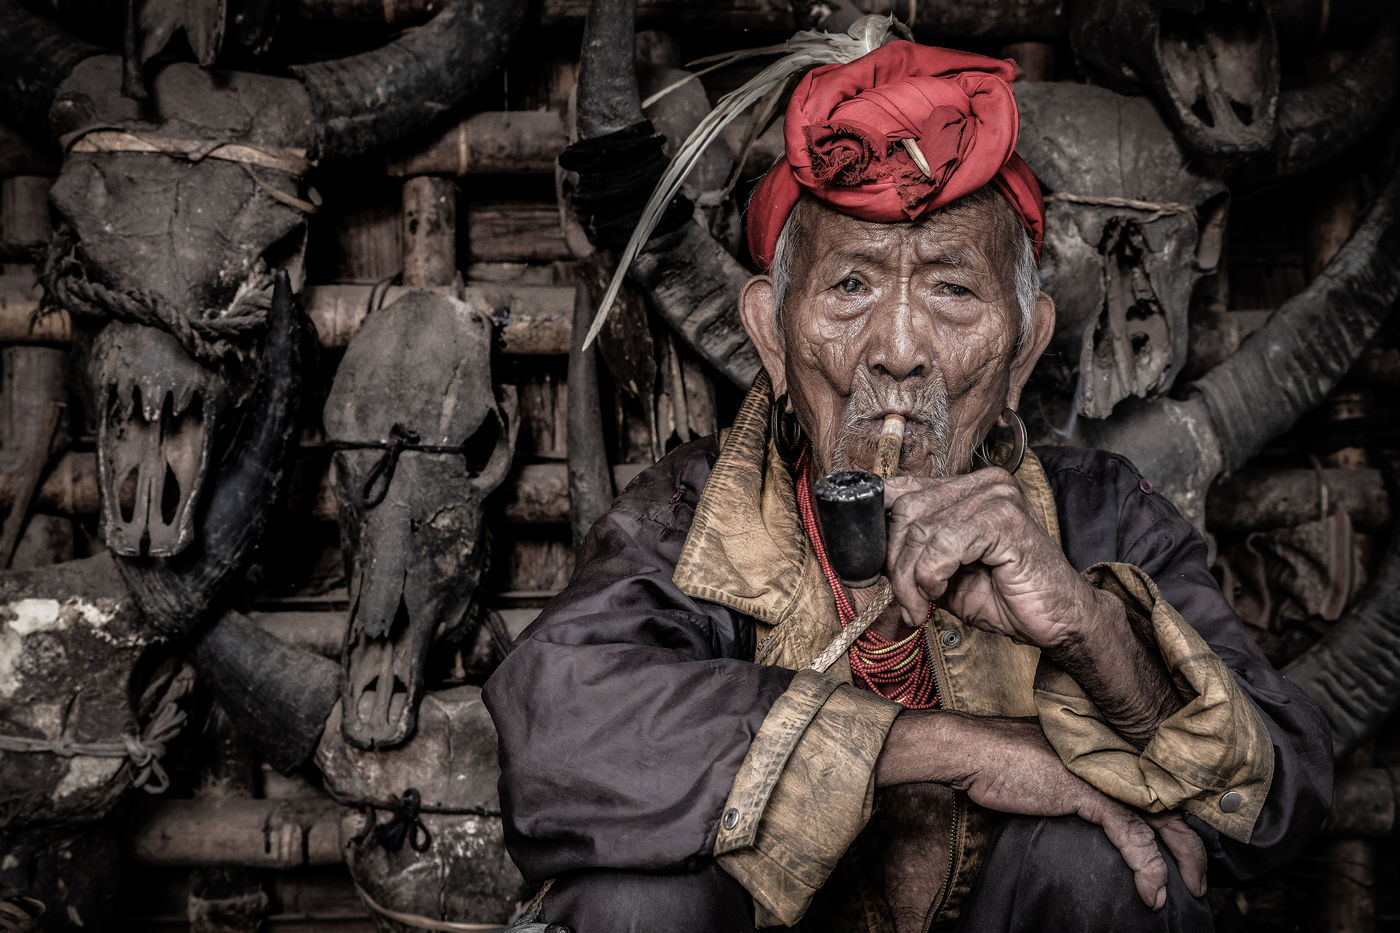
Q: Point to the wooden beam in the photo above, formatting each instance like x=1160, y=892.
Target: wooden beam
x=494, y=142
x=323, y=631
x=536, y=494
x=515, y=231
x=534, y=320
x=1017, y=19
x=25, y=227
x=239, y=831
x=1257, y=499
x=429, y=232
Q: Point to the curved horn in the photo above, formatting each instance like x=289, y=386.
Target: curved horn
x=1281, y=370
x=1323, y=120
x=608, y=99
x=176, y=594
x=278, y=696
x=691, y=279
x=35, y=58
x=367, y=101
x=1353, y=673
x=1310, y=342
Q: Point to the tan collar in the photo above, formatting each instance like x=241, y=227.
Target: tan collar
x=746, y=549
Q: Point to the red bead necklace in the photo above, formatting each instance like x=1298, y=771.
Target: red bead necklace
x=896, y=670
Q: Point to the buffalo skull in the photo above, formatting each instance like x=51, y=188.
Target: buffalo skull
x=1212, y=65
x=424, y=441
x=177, y=209
x=1130, y=231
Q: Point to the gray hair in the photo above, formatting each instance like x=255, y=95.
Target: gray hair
x=1025, y=275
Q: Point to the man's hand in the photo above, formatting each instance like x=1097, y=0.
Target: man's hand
x=1007, y=765
x=971, y=542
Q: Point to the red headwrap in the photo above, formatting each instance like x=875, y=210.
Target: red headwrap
x=843, y=141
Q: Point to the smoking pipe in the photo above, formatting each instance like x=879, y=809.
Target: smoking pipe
x=851, y=507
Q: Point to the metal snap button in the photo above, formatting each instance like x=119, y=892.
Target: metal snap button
x=1231, y=801
x=731, y=818
x=950, y=639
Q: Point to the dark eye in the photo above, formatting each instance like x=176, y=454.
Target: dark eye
x=955, y=291
x=850, y=285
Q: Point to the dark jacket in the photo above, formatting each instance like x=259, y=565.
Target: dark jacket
x=638, y=731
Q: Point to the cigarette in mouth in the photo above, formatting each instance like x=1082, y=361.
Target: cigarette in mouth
x=889, y=446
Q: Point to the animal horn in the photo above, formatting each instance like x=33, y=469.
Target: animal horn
x=1280, y=371
x=1319, y=122
x=176, y=593
x=1353, y=673
x=1290, y=364
x=35, y=58
x=366, y=101
x=278, y=696
x=691, y=278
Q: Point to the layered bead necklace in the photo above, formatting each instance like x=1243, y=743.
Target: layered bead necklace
x=900, y=670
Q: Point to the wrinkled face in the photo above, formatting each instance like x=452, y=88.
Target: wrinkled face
x=919, y=319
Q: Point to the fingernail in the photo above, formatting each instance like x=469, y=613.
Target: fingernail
x=1161, y=899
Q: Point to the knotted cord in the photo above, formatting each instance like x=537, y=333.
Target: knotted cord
x=405, y=823
x=400, y=439
x=67, y=287
x=144, y=750
x=1158, y=208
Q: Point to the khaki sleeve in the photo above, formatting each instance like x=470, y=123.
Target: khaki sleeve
x=1213, y=758
x=803, y=793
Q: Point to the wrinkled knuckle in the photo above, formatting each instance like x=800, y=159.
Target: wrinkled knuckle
x=995, y=475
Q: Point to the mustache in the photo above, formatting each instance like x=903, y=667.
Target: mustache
x=925, y=407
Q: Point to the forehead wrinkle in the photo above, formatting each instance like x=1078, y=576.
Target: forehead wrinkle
x=862, y=253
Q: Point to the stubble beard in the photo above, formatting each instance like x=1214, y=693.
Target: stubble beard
x=926, y=452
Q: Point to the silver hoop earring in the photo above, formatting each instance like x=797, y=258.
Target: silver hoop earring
x=1006, y=452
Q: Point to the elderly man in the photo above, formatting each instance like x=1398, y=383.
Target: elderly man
x=1018, y=738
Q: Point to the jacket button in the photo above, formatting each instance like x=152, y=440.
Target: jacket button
x=1231, y=801
x=731, y=818
x=950, y=639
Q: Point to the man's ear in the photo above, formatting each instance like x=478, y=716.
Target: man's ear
x=756, y=311
x=1042, y=328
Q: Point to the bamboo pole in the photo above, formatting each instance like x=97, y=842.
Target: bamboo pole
x=24, y=216
x=429, y=231
x=1255, y=499
x=536, y=494
x=239, y=831
x=534, y=320
x=1039, y=19
x=33, y=423
x=494, y=142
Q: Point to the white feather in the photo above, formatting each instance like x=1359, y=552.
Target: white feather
x=804, y=51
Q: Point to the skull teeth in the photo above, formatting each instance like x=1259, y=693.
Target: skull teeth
x=149, y=398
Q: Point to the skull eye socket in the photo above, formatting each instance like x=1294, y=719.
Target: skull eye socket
x=169, y=496
x=478, y=448
x=126, y=494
